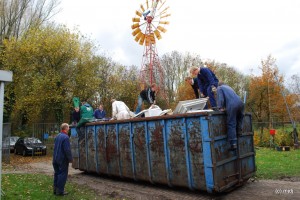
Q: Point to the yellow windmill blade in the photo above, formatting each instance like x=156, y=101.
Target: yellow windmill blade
x=165, y=16
x=162, y=29
x=164, y=22
x=147, y=40
x=142, y=7
x=142, y=39
x=157, y=34
x=134, y=26
x=138, y=37
x=152, y=38
x=138, y=30
x=138, y=13
x=147, y=4
x=136, y=19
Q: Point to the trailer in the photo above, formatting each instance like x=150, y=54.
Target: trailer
x=185, y=150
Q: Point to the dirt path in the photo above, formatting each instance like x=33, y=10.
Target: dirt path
x=127, y=189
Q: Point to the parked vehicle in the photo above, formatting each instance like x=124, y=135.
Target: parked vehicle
x=30, y=146
x=9, y=143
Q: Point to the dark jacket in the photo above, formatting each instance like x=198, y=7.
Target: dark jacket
x=206, y=79
x=195, y=87
x=99, y=114
x=148, y=95
x=62, y=150
x=227, y=98
x=75, y=116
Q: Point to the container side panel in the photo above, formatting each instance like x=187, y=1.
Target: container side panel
x=101, y=148
x=112, y=155
x=91, y=151
x=175, y=138
x=140, y=150
x=157, y=155
x=125, y=150
x=82, y=150
x=208, y=160
x=196, y=153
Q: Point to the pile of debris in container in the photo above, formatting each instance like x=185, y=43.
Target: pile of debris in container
x=188, y=106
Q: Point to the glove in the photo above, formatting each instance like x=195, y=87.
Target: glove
x=213, y=88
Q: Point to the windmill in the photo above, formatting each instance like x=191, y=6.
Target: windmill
x=148, y=24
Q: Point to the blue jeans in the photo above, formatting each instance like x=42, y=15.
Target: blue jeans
x=139, y=106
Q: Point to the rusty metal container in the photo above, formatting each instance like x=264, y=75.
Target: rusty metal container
x=186, y=150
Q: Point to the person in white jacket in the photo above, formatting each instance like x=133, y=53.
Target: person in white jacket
x=120, y=110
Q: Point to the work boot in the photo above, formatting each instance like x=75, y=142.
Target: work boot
x=59, y=193
x=62, y=193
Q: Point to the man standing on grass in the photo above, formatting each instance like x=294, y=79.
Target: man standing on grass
x=61, y=158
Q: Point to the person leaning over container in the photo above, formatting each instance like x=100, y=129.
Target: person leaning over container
x=207, y=82
x=146, y=95
x=62, y=156
x=194, y=83
x=86, y=115
x=120, y=110
x=231, y=103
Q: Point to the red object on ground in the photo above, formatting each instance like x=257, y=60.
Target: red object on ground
x=272, y=131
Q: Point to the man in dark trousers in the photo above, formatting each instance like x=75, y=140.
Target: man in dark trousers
x=146, y=95
x=232, y=104
x=207, y=82
x=61, y=158
x=194, y=83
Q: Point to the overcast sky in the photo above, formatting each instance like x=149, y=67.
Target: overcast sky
x=238, y=32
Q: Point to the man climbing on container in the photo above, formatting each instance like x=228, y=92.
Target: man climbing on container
x=86, y=115
x=231, y=103
x=207, y=82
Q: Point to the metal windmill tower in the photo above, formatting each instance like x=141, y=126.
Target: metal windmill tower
x=149, y=22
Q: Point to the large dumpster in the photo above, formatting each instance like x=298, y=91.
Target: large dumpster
x=186, y=150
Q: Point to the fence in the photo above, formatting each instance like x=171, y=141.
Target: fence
x=285, y=125
x=46, y=132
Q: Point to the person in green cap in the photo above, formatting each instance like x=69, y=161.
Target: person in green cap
x=86, y=115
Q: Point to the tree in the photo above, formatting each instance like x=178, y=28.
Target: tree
x=50, y=66
x=18, y=16
x=265, y=99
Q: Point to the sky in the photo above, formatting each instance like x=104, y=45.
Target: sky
x=240, y=33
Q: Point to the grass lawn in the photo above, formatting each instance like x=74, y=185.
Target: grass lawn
x=39, y=186
x=273, y=164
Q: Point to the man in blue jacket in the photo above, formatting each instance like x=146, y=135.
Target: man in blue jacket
x=207, y=82
x=232, y=104
x=62, y=156
x=100, y=112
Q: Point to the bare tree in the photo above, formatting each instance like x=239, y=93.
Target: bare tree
x=17, y=16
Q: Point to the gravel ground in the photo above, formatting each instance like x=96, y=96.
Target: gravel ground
x=287, y=188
